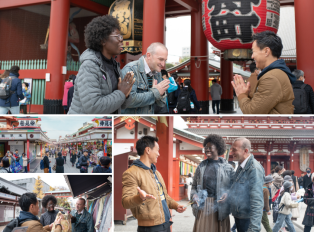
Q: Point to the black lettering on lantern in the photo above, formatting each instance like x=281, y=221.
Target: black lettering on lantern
x=243, y=6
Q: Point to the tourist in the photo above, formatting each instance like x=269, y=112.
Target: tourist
x=98, y=86
x=27, y=100
x=246, y=194
x=71, y=92
x=84, y=162
x=59, y=163
x=49, y=202
x=278, y=180
x=307, y=178
x=266, y=210
x=11, y=158
x=189, y=182
x=273, y=93
x=187, y=96
x=100, y=153
x=300, y=180
x=73, y=157
x=67, y=85
x=253, y=78
x=104, y=165
x=173, y=96
x=83, y=220
x=25, y=162
x=215, y=92
x=295, y=182
x=17, y=156
x=212, y=172
x=64, y=155
x=139, y=187
x=285, y=208
x=308, y=219
x=12, y=103
x=4, y=75
x=79, y=153
x=28, y=216
x=46, y=162
x=149, y=87
x=308, y=104
x=5, y=165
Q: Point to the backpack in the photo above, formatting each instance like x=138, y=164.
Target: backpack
x=42, y=166
x=300, y=101
x=8, y=171
x=13, y=224
x=5, y=87
x=171, y=98
x=184, y=104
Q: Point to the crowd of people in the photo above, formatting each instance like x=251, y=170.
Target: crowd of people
x=218, y=191
x=81, y=159
x=81, y=219
x=13, y=162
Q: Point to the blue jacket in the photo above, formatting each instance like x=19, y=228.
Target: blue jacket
x=26, y=94
x=246, y=194
x=142, y=98
x=16, y=86
x=84, y=224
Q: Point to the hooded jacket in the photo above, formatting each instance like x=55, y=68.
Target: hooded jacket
x=150, y=212
x=273, y=93
x=33, y=223
x=93, y=89
x=16, y=86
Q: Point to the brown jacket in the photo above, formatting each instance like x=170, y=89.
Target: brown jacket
x=266, y=197
x=253, y=81
x=36, y=226
x=273, y=94
x=149, y=212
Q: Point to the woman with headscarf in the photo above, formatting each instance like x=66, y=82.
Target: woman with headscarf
x=59, y=164
x=211, y=173
x=49, y=202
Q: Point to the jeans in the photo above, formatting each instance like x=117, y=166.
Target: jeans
x=216, y=103
x=242, y=224
x=281, y=218
x=307, y=228
x=265, y=222
x=13, y=110
x=25, y=169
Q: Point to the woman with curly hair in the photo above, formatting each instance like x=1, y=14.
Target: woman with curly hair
x=213, y=177
x=98, y=87
x=49, y=202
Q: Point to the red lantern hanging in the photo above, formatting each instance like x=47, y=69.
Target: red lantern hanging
x=229, y=24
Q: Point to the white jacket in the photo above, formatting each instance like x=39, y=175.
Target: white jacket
x=286, y=200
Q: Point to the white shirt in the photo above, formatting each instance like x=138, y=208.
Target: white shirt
x=245, y=161
x=147, y=69
x=80, y=212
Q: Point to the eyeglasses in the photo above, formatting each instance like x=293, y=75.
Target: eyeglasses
x=51, y=205
x=120, y=37
x=209, y=147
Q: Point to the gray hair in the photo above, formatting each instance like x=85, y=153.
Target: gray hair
x=246, y=144
x=298, y=73
x=152, y=48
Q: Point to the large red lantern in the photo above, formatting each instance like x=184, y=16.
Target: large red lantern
x=229, y=24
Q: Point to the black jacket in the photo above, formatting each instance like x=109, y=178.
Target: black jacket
x=60, y=163
x=83, y=160
x=308, y=219
x=300, y=180
x=46, y=162
x=310, y=95
x=306, y=181
x=70, y=96
x=294, y=181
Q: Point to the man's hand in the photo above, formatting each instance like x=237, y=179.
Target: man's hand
x=125, y=85
x=162, y=86
x=223, y=198
x=269, y=213
x=239, y=85
x=180, y=209
x=144, y=195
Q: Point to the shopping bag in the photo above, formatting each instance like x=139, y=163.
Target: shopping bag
x=65, y=223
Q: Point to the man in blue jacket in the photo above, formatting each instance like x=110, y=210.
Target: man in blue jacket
x=246, y=194
x=12, y=103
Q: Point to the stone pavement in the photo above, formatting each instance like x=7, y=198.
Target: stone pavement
x=183, y=222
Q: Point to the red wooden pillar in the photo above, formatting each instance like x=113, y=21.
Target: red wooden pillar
x=153, y=23
x=165, y=160
x=105, y=149
x=226, y=76
x=27, y=153
x=304, y=38
x=57, y=44
x=199, y=60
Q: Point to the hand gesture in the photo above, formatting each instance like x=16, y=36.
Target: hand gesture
x=239, y=85
x=180, y=209
x=125, y=85
x=144, y=195
x=162, y=86
x=223, y=198
x=269, y=213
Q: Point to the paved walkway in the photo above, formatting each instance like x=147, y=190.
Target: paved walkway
x=183, y=222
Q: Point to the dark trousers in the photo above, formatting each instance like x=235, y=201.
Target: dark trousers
x=307, y=228
x=216, y=103
x=23, y=108
x=171, y=110
x=152, y=229
x=242, y=224
x=25, y=169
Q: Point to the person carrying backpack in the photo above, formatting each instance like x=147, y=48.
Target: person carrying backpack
x=5, y=166
x=303, y=95
x=173, y=96
x=186, y=97
x=11, y=92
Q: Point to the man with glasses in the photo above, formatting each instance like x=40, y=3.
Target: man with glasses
x=149, y=87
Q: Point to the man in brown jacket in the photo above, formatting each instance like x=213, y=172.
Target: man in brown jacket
x=266, y=211
x=273, y=93
x=144, y=190
x=28, y=216
x=253, y=78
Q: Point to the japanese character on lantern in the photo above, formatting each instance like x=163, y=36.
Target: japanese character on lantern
x=101, y=123
x=243, y=6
